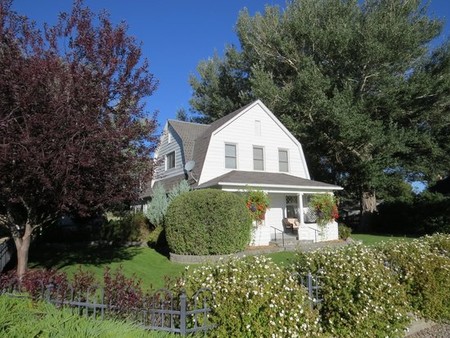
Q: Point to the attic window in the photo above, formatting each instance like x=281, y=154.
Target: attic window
x=170, y=160
x=257, y=128
x=169, y=137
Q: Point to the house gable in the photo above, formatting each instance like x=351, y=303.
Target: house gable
x=252, y=126
x=170, y=144
x=178, y=137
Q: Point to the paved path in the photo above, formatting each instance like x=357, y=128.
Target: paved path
x=432, y=331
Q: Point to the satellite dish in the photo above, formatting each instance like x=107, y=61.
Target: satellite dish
x=189, y=166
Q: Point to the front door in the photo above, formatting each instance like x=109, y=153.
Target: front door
x=292, y=206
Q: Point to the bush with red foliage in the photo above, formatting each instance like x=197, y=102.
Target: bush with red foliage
x=75, y=136
x=124, y=295
x=83, y=283
x=38, y=283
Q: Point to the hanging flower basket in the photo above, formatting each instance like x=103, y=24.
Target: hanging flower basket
x=257, y=203
x=324, y=205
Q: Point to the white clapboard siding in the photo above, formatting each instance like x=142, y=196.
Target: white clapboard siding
x=243, y=131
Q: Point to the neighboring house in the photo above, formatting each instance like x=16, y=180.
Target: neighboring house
x=249, y=148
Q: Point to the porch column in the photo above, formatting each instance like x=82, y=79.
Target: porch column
x=300, y=208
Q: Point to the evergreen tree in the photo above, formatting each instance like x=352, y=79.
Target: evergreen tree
x=178, y=189
x=157, y=207
x=182, y=115
x=352, y=80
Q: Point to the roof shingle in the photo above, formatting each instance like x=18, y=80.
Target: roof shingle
x=266, y=178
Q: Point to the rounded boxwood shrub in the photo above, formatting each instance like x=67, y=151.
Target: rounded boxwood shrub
x=207, y=222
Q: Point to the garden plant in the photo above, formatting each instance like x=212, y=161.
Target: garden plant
x=254, y=297
x=361, y=296
x=207, y=222
x=363, y=290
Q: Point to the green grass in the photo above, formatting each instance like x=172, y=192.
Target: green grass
x=282, y=258
x=374, y=239
x=145, y=263
x=151, y=266
x=45, y=320
x=287, y=257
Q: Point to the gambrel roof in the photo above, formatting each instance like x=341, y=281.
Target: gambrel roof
x=188, y=133
x=194, y=141
x=201, y=144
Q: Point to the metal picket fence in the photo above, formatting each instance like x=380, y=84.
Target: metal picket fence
x=164, y=311
x=312, y=284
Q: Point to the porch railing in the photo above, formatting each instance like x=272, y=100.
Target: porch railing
x=315, y=232
x=281, y=232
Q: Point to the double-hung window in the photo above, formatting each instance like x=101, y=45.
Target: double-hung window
x=170, y=160
x=283, y=160
x=258, y=158
x=230, y=156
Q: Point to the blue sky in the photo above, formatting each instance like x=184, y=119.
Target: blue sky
x=176, y=35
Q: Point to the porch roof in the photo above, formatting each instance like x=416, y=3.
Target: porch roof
x=267, y=179
x=167, y=183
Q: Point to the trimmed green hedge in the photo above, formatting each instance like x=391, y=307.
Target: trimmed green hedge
x=427, y=213
x=207, y=222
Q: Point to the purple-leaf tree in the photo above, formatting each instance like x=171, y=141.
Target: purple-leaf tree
x=74, y=136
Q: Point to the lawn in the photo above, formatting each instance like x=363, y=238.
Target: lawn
x=145, y=263
x=282, y=258
x=369, y=239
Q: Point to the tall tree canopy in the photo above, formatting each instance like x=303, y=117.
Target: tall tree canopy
x=74, y=137
x=356, y=82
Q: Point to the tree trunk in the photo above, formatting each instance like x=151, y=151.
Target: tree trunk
x=368, y=208
x=23, y=247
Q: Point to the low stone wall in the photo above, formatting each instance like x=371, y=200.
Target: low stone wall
x=193, y=259
x=252, y=251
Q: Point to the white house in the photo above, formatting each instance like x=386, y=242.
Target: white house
x=249, y=148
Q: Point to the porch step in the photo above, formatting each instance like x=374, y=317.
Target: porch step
x=291, y=242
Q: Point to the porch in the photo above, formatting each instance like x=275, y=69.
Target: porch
x=289, y=222
x=305, y=233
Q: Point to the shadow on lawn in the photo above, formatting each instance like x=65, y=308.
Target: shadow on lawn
x=57, y=258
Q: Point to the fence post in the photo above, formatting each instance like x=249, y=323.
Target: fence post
x=183, y=314
x=310, y=289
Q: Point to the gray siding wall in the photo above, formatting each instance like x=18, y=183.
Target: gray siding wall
x=166, y=148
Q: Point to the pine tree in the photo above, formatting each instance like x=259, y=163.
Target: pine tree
x=352, y=80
